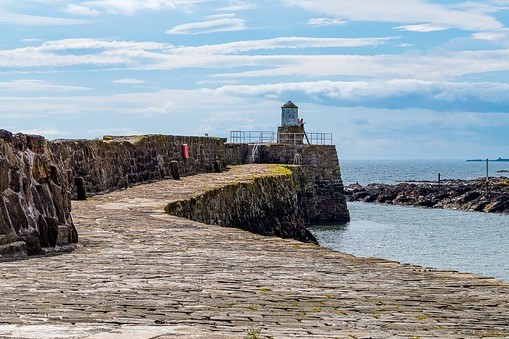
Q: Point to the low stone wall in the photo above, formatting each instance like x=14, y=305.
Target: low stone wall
x=267, y=205
x=35, y=206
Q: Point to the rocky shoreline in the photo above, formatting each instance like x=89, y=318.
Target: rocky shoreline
x=480, y=195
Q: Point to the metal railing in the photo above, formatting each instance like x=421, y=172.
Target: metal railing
x=267, y=137
x=320, y=138
x=252, y=137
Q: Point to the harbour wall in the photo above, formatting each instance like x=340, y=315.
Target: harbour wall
x=36, y=216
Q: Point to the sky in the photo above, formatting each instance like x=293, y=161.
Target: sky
x=391, y=79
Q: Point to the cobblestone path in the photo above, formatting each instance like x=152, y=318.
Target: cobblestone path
x=139, y=273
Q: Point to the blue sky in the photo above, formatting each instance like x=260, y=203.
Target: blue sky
x=391, y=79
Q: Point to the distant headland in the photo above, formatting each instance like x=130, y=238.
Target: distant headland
x=490, y=160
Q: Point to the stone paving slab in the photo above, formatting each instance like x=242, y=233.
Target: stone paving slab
x=139, y=273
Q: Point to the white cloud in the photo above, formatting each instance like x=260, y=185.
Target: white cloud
x=422, y=28
x=283, y=43
x=424, y=67
x=219, y=24
x=31, y=40
x=81, y=10
x=128, y=7
x=129, y=55
x=397, y=11
x=238, y=5
x=70, y=44
x=30, y=85
x=364, y=91
x=221, y=112
x=102, y=54
x=128, y=81
x=491, y=36
x=319, y=22
x=35, y=20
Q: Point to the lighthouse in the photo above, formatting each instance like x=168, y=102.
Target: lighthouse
x=291, y=130
x=289, y=114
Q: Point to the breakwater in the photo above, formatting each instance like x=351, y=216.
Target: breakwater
x=467, y=195
x=268, y=204
x=63, y=169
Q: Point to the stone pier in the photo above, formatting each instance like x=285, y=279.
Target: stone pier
x=141, y=273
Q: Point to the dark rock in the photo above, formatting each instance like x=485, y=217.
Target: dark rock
x=4, y=174
x=36, y=143
x=5, y=224
x=469, y=195
x=33, y=191
x=6, y=135
x=19, y=142
x=15, y=181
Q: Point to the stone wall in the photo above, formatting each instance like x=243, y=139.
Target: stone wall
x=35, y=204
x=267, y=205
x=322, y=181
x=120, y=162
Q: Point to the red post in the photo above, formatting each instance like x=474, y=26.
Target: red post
x=185, y=151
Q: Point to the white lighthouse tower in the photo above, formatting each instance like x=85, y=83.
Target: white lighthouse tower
x=291, y=130
x=289, y=114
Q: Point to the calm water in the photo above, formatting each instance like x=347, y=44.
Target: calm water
x=444, y=239
x=392, y=171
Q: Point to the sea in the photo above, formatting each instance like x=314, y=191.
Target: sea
x=470, y=242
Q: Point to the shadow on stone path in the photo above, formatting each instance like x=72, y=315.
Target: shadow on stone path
x=139, y=273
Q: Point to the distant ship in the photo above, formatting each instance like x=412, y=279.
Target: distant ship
x=490, y=160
